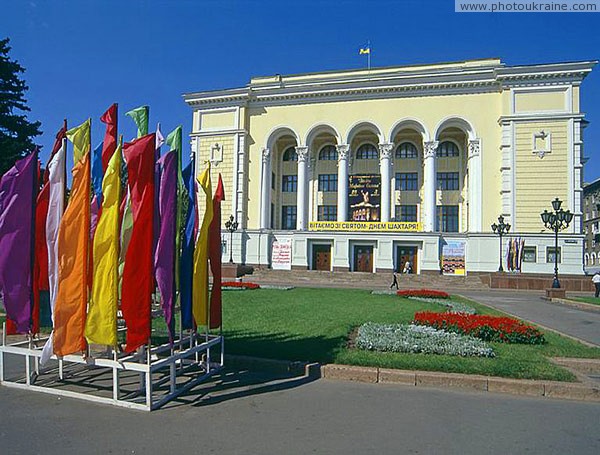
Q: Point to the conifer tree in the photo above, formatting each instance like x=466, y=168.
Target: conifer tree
x=16, y=132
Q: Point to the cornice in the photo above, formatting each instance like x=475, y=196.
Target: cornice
x=389, y=83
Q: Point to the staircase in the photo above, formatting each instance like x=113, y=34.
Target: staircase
x=362, y=280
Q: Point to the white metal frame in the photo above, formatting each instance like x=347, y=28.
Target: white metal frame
x=191, y=351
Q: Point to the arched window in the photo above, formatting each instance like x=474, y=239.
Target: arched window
x=447, y=148
x=328, y=153
x=406, y=150
x=290, y=154
x=367, y=152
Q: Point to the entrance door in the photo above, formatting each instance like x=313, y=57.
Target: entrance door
x=363, y=258
x=403, y=254
x=321, y=257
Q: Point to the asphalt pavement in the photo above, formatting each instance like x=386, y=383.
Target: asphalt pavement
x=257, y=414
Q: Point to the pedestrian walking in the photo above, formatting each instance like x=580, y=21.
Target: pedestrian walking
x=395, y=282
x=407, y=267
x=596, y=281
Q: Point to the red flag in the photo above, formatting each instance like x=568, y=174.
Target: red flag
x=110, y=136
x=138, y=277
x=214, y=254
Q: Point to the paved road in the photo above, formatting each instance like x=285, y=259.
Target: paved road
x=254, y=414
x=529, y=305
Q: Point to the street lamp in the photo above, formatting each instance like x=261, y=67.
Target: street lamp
x=231, y=225
x=556, y=222
x=501, y=228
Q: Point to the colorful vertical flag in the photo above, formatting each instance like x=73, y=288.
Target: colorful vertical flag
x=73, y=249
x=140, y=116
x=110, y=118
x=214, y=253
x=186, y=262
x=164, y=258
x=80, y=137
x=56, y=181
x=101, y=322
x=97, y=174
x=138, y=279
x=18, y=189
x=200, y=282
x=175, y=143
x=40, y=264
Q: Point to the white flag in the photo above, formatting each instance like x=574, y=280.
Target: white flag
x=56, y=207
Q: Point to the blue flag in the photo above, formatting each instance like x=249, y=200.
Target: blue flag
x=186, y=260
x=97, y=173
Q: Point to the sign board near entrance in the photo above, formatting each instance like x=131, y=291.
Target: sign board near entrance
x=281, y=257
x=453, y=257
x=364, y=197
x=364, y=226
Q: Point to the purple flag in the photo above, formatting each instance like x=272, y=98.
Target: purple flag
x=164, y=258
x=17, y=196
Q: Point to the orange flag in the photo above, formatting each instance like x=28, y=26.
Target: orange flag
x=73, y=246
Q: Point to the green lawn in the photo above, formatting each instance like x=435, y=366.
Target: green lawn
x=314, y=324
x=592, y=300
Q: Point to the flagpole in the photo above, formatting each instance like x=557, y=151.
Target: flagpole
x=369, y=55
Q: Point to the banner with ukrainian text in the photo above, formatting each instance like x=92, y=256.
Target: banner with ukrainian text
x=364, y=197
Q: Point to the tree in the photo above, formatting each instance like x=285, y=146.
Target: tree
x=16, y=132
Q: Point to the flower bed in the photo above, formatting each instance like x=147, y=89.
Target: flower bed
x=453, y=307
x=429, y=293
x=419, y=339
x=238, y=285
x=487, y=328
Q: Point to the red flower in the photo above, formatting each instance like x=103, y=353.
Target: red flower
x=488, y=328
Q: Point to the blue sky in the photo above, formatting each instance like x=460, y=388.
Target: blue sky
x=81, y=56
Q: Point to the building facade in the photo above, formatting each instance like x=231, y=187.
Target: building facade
x=591, y=225
x=363, y=170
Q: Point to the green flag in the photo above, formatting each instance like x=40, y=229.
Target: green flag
x=175, y=142
x=140, y=116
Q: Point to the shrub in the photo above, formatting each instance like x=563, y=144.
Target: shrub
x=239, y=285
x=419, y=339
x=453, y=307
x=429, y=293
x=488, y=328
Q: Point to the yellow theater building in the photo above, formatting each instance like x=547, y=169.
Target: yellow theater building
x=364, y=170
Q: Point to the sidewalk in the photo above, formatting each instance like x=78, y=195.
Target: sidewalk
x=529, y=305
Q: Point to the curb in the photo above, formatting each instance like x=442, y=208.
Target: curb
x=492, y=384
x=426, y=379
x=576, y=304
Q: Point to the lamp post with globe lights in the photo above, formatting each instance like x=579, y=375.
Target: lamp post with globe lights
x=556, y=221
x=231, y=225
x=501, y=228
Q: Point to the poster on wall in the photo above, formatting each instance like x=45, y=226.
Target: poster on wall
x=364, y=197
x=453, y=257
x=281, y=256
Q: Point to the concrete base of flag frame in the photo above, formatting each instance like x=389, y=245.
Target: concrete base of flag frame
x=145, y=380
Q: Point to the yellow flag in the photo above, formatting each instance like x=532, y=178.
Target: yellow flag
x=101, y=323
x=80, y=137
x=366, y=50
x=200, y=278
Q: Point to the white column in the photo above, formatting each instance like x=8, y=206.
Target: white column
x=342, y=192
x=385, y=153
x=475, y=187
x=429, y=181
x=301, y=224
x=265, y=190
